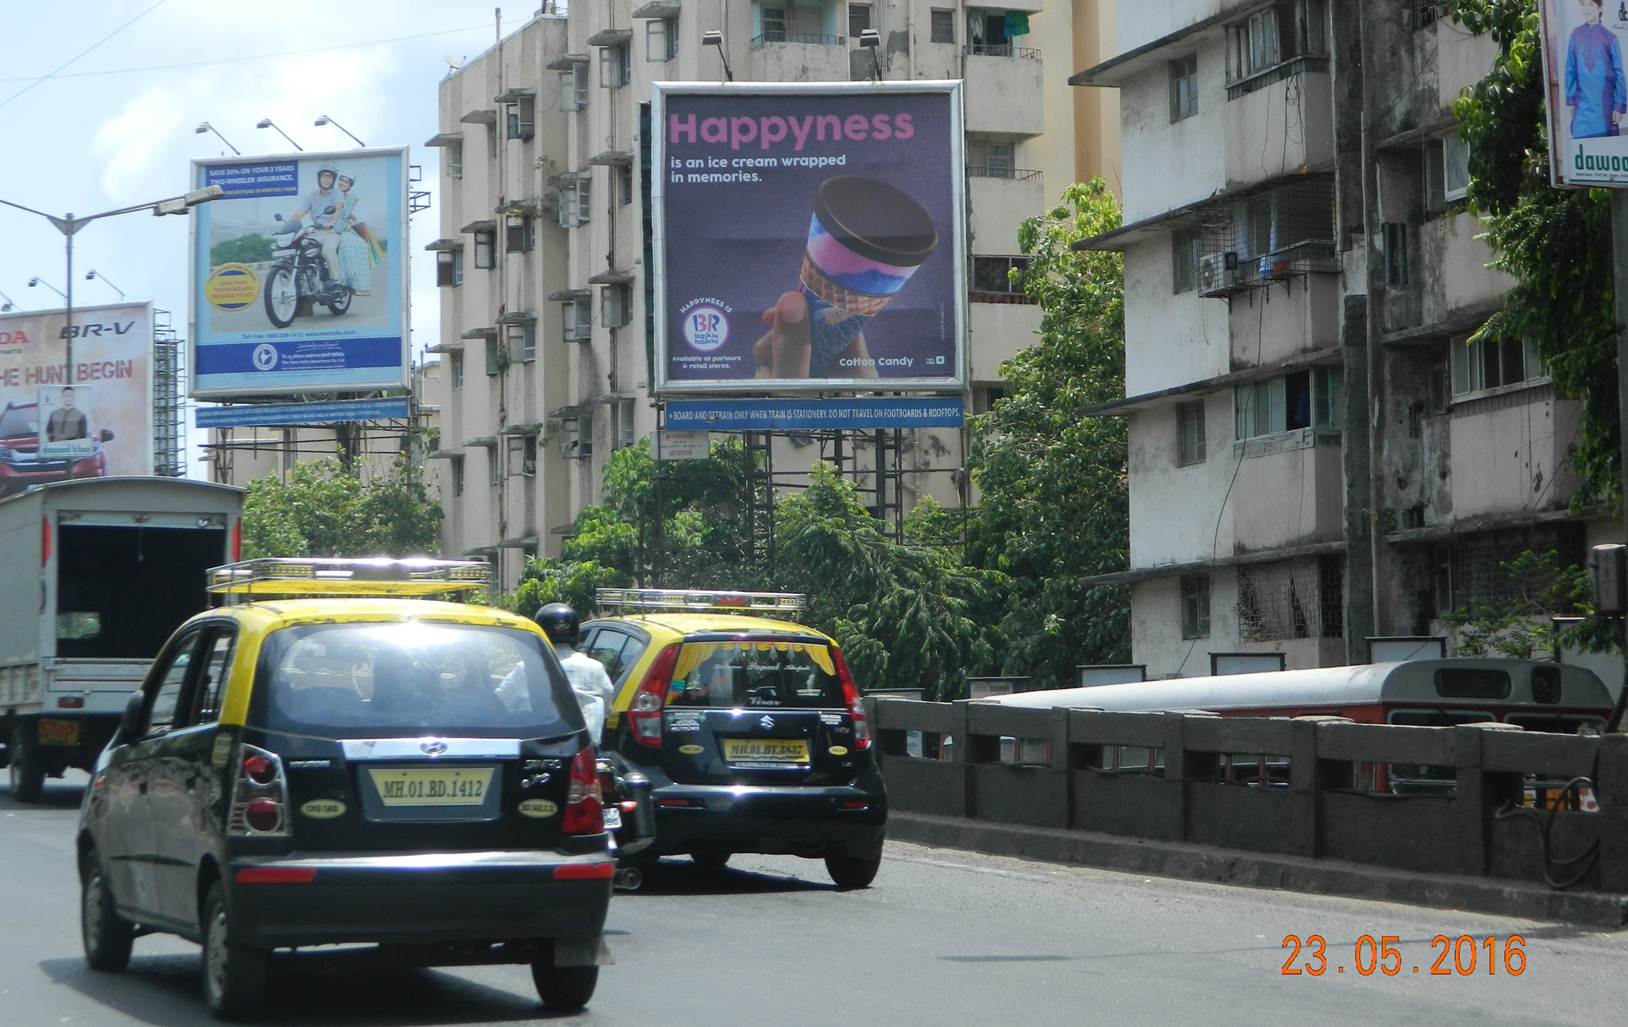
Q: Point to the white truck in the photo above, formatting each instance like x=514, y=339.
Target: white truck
x=95, y=573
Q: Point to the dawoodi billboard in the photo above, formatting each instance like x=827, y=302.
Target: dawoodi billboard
x=809, y=237
x=1586, y=90
x=299, y=274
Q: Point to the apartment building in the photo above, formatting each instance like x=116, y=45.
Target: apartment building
x=546, y=320
x=1315, y=455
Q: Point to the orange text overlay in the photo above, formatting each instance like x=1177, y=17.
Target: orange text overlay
x=1388, y=955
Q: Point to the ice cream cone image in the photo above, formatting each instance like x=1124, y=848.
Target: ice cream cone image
x=865, y=240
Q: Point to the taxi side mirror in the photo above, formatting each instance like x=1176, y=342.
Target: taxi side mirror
x=132, y=721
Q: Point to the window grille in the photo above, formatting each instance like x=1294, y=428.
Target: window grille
x=1291, y=599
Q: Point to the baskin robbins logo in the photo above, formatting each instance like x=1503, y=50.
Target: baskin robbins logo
x=706, y=323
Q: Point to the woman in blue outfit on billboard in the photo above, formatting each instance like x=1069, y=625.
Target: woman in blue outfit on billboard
x=1596, y=90
x=356, y=248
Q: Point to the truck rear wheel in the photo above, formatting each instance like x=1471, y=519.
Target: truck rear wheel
x=26, y=767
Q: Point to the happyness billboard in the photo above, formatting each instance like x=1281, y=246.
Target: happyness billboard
x=809, y=237
x=1587, y=92
x=100, y=423
x=299, y=274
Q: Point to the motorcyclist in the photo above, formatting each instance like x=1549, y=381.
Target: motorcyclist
x=587, y=675
x=323, y=205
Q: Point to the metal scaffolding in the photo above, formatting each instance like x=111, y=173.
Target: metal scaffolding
x=168, y=417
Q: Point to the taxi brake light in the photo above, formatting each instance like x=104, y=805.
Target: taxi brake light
x=275, y=875
x=585, y=872
x=584, y=799
x=259, y=770
x=644, y=712
x=45, y=541
x=264, y=814
x=850, y=698
x=237, y=540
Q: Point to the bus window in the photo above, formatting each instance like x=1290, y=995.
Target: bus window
x=1555, y=723
x=1418, y=778
x=1472, y=683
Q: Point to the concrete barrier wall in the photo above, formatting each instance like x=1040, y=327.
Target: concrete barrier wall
x=1064, y=777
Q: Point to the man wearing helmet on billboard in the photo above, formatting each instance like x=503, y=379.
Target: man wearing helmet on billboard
x=323, y=205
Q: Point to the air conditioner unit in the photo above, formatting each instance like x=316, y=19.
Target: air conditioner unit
x=1215, y=278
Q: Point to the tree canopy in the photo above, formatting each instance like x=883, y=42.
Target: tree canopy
x=322, y=511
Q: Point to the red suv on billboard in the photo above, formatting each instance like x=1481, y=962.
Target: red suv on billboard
x=20, y=463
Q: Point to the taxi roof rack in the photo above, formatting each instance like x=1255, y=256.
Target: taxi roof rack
x=304, y=576
x=698, y=600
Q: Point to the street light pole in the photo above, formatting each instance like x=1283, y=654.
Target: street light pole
x=325, y=120
x=268, y=123
x=94, y=274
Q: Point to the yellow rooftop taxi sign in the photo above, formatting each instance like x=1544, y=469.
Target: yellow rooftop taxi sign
x=692, y=600
x=290, y=577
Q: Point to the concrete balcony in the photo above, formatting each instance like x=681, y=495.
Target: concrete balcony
x=1004, y=90
x=1259, y=132
x=999, y=330
x=1000, y=199
x=799, y=57
x=1290, y=491
x=1509, y=452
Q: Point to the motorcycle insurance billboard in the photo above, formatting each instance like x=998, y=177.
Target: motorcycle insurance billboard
x=809, y=237
x=299, y=274
x=1587, y=92
x=101, y=422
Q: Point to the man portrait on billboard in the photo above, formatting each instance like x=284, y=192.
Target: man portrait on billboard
x=67, y=421
x=323, y=205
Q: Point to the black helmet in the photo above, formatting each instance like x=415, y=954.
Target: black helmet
x=559, y=622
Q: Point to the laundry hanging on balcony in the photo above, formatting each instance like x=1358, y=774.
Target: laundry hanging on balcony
x=1017, y=23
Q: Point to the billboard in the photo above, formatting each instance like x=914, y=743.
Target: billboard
x=100, y=423
x=809, y=237
x=299, y=274
x=1587, y=92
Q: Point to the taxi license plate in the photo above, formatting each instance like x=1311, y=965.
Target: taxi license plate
x=766, y=750
x=59, y=732
x=463, y=786
x=613, y=818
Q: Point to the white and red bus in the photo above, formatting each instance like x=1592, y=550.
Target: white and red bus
x=1536, y=696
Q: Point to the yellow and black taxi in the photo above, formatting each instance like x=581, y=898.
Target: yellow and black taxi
x=332, y=757
x=749, y=726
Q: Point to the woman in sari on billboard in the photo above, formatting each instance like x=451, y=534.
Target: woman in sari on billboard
x=1596, y=89
x=357, y=250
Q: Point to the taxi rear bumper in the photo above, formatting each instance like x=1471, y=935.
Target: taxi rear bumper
x=797, y=820
x=419, y=898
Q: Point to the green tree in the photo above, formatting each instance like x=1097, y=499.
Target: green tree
x=1535, y=588
x=1054, y=504
x=1555, y=242
x=245, y=249
x=322, y=511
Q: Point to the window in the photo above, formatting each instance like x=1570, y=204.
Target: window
x=994, y=274
x=166, y=697
x=574, y=88
x=486, y=249
x=495, y=361
x=942, y=26
x=522, y=338
x=494, y=465
x=457, y=371
x=984, y=397
x=660, y=40
x=1184, y=260
x=1195, y=606
x=457, y=267
x=528, y=456
x=1189, y=433
x=615, y=70
x=774, y=24
x=1395, y=242
x=859, y=19
x=519, y=233
x=455, y=161
x=575, y=208
x=1287, y=30
x=623, y=432
x=217, y=662
x=1455, y=167
x=449, y=268
x=1291, y=599
x=573, y=444
x=457, y=475
x=624, y=184
x=1427, y=12
x=579, y=320
x=1184, y=87
x=1493, y=364
x=521, y=117
x=998, y=162
x=616, y=303
x=1301, y=399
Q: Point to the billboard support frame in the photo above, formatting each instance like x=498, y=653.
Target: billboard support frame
x=662, y=385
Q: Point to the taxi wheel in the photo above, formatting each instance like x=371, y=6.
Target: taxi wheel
x=26, y=771
x=853, y=871
x=234, y=974
x=564, y=988
x=107, y=936
x=710, y=860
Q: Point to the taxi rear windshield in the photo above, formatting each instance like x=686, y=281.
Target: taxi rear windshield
x=407, y=680
x=768, y=672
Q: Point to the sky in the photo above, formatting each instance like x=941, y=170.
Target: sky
x=115, y=126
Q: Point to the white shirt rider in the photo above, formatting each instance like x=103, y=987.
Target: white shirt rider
x=589, y=682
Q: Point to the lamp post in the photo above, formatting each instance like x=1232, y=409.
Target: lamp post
x=268, y=123
x=69, y=226
x=325, y=120
x=870, y=39
x=37, y=280
x=714, y=37
x=94, y=274
x=8, y=304
x=204, y=126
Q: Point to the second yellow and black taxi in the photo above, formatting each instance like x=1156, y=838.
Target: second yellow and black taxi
x=354, y=767
x=749, y=726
